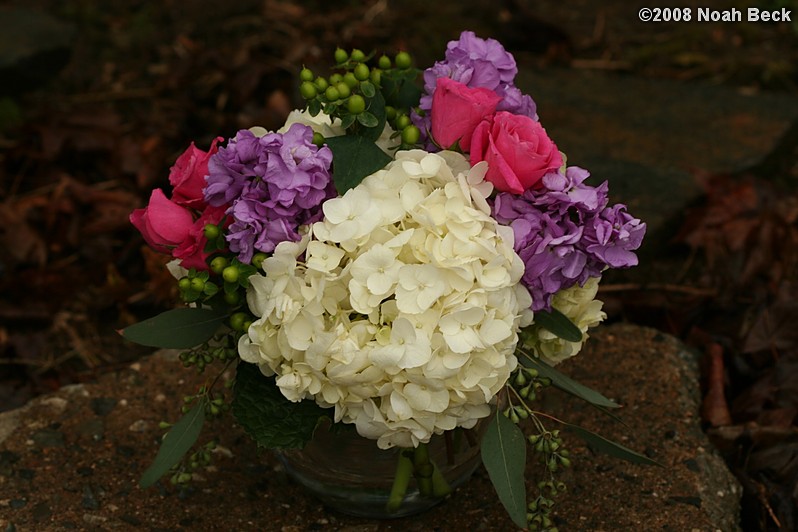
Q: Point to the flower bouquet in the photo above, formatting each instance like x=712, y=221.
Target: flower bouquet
x=402, y=262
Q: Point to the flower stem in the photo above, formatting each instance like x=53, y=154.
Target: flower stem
x=404, y=468
x=423, y=469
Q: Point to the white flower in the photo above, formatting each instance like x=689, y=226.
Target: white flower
x=400, y=309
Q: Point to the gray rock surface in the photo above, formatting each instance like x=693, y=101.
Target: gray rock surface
x=72, y=459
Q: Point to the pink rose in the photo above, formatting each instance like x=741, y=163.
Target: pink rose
x=457, y=109
x=518, y=151
x=163, y=223
x=187, y=176
x=191, y=251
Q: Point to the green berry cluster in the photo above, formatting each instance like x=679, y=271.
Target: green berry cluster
x=183, y=473
x=222, y=349
x=353, y=94
x=525, y=385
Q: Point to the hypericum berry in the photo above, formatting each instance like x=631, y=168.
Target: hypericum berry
x=308, y=90
x=361, y=72
x=218, y=264
x=350, y=80
x=259, y=257
x=318, y=140
x=335, y=79
x=376, y=76
x=390, y=113
x=331, y=94
x=237, y=321
x=230, y=274
x=321, y=83
x=411, y=135
x=402, y=121
x=211, y=231
x=197, y=284
x=384, y=62
x=343, y=90
x=356, y=104
x=232, y=298
x=341, y=56
x=306, y=74
x=184, y=284
x=358, y=56
x=403, y=60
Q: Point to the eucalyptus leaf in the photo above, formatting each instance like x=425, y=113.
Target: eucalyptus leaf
x=179, y=328
x=503, y=450
x=367, y=119
x=558, y=323
x=176, y=443
x=567, y=384
x=354, y=157
x=600, y=443
x=267, y=416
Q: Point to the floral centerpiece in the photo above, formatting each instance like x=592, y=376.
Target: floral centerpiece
x=397, y=259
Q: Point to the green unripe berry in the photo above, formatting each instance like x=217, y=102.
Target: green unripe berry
x=230, y=274
x=340, y=56
x=358, y=56
x=247, y=325
x=306, y=74
x=331, y=94
x=402, y=121
x=218, y=264
x=343, y=90
x=336, y=78
x=384, y=62
x=376, y=76
x=361, y=72
x=350, y=80
x=232, y=298
x=197, y=284
x=211, y=231
x=318, y=140
x=237, y=321
x=411, y=135
x=321, y=83
x=356, y=104
x=307, y=90
x=403, y=60
x=390, y=113
x=184, y=284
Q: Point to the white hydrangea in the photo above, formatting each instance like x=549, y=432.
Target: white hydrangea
x=401, y=309
x=580, y=305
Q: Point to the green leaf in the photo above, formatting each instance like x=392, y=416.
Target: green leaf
x=354, y=157
x=503, y=451
x=367, y=119
x=267, y=416
x=348, y=120
x=179, y=328
x=176, y=443
x=375, y=106
x=368, y=90
x=567, y=384
x=559, y=324
x=314, y=107
x=600, y=443
x=400, y=89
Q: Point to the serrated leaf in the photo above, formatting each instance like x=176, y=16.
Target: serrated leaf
x=179, y=328
x=503, y=450
x=267, y=416
x=558, y=323
x=176, y=443
x=567, y=384
x=354, y=157
x=367, y=119
x=600, y=443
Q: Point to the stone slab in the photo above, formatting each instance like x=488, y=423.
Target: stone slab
x=67, y=463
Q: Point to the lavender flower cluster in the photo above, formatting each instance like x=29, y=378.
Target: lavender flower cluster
x=566, y=233
x=476, y=62
x=271, y=184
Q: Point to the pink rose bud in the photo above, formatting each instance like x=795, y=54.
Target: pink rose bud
x=517, y=149
x=163, y=223
x=457, y=109
x=187, y=176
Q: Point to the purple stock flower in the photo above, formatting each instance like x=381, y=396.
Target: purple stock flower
x=272, y=184
x=475, y=62
x=565, y=233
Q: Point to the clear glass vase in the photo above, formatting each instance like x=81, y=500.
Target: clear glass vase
x=350, y=474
